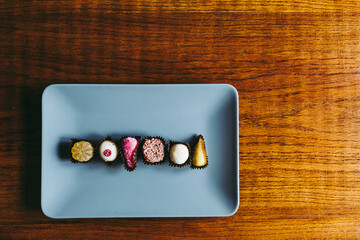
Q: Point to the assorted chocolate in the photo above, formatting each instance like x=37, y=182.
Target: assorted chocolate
x=81, y=151
x=153, y=151
x=129, y=148
x=108, y=151
x=200, y=158
x=179, y=154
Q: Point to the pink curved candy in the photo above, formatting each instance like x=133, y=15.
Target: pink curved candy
x=129, y=146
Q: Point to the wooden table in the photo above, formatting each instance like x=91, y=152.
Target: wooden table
x=296, y=66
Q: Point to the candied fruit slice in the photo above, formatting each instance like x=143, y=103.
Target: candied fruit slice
x=82, y=151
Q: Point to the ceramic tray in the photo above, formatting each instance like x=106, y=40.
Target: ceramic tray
x=175, y=112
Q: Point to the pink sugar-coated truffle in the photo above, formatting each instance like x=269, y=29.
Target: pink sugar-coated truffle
x=129, y=146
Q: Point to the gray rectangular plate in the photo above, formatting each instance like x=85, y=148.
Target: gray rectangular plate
x=175, y=112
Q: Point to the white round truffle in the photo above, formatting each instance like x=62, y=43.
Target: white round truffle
x=179, y=153
x=108, y=151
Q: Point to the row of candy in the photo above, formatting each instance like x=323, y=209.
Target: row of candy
x=153, y=150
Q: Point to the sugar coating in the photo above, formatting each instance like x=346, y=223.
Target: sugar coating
x=82, y=151
x=154, y=150
x=129, y=146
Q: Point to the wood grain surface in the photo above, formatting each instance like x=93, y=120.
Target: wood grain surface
x=295, y=64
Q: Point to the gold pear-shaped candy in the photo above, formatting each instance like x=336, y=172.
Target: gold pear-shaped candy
x=200, y=158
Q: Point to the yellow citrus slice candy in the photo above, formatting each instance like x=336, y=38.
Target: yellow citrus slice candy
x=82, y=151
